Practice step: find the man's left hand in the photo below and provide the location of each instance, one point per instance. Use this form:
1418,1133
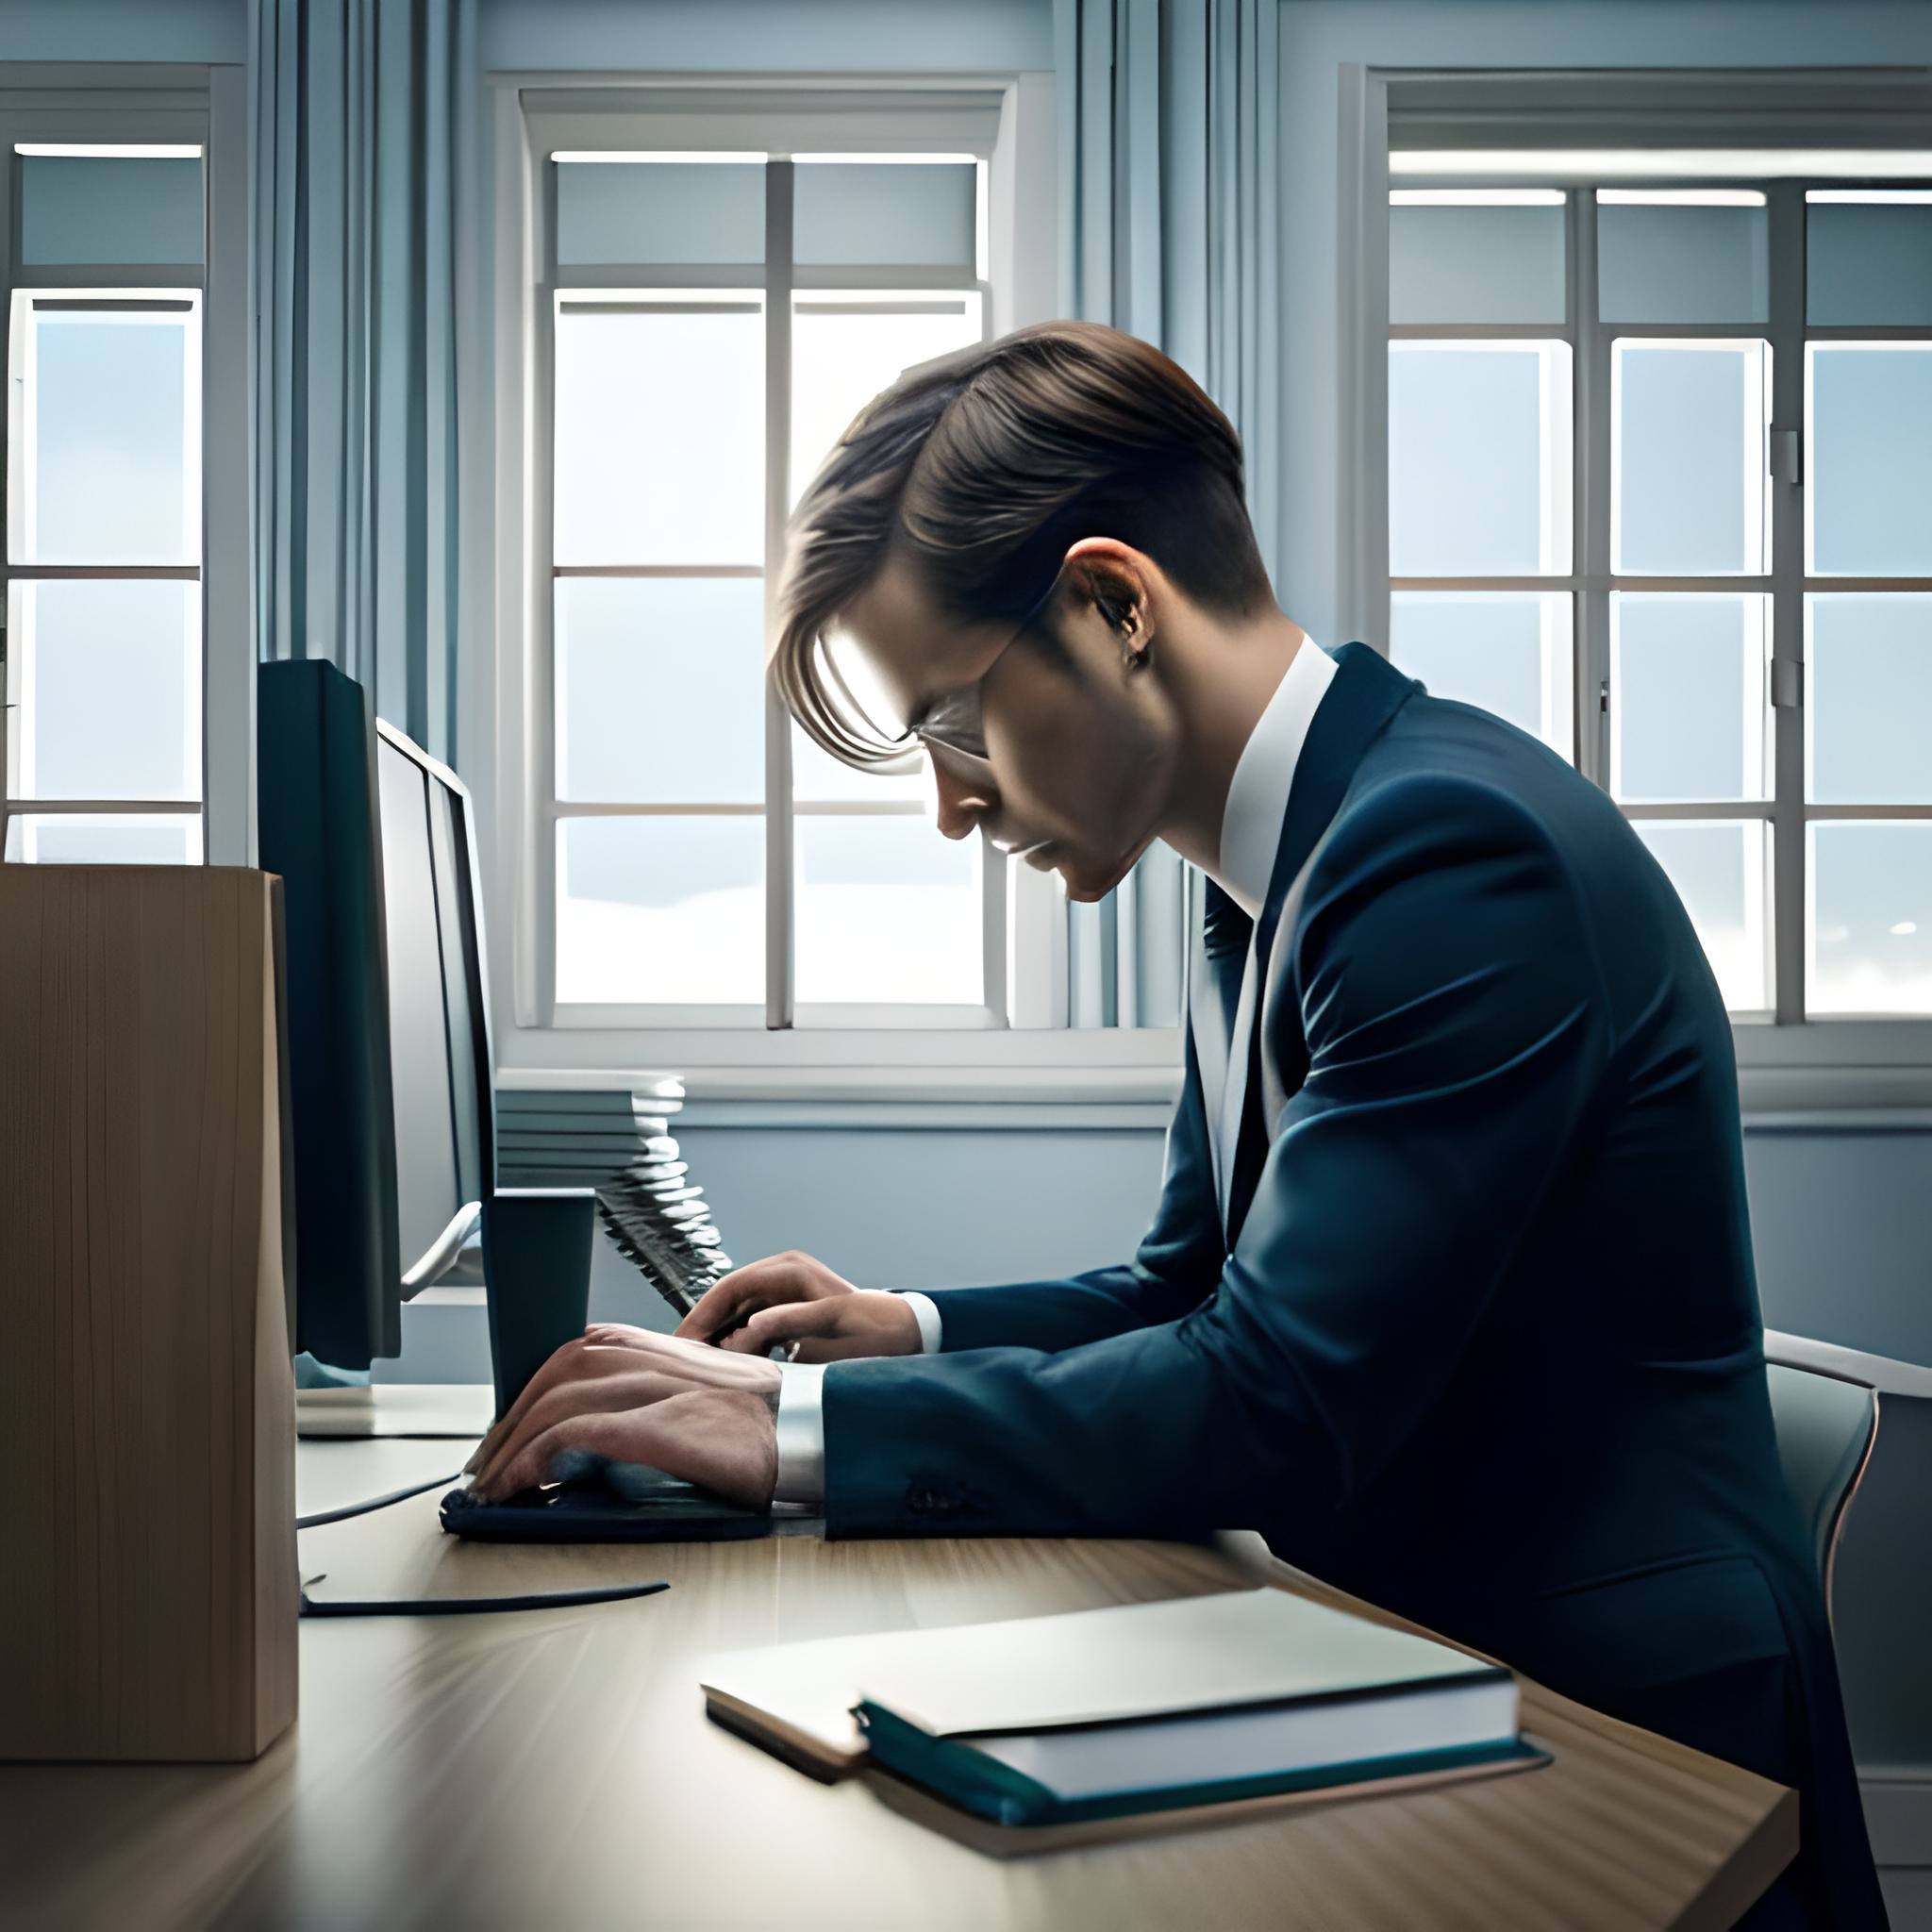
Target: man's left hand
698,1413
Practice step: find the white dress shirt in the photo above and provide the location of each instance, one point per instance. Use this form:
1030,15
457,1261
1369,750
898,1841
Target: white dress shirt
1250,831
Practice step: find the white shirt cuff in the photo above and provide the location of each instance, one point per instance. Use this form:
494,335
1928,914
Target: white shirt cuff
801,1419
925,1311
801,1433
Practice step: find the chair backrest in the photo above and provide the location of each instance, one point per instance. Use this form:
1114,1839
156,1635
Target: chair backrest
1824,1433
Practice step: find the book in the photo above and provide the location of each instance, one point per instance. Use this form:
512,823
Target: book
1145,1708
1111,1770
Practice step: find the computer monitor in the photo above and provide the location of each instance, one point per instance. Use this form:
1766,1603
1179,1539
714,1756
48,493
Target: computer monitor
391,1097
439,1008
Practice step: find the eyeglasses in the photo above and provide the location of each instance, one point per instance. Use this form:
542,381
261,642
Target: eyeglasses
953,722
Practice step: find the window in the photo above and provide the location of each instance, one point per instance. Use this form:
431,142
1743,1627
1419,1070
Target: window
713,321
106,269
1657,494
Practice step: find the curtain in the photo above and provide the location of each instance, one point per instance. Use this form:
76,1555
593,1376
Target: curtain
363,126
1167,121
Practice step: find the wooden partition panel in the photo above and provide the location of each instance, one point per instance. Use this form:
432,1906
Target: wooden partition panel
147,1555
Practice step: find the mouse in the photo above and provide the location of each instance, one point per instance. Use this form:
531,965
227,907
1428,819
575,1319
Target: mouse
584,1469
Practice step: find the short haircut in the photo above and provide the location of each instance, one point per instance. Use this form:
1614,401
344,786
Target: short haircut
986,467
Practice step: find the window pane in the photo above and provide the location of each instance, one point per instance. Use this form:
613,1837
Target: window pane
105,208
662,212
1868,699
1665,262
1688,718
883,213
1721,874
1478,459
1867,494
1449,264
888,910
819,777
1867,263
1870,919
1509,652
107,689
111,434
661,434
667,909
660,689
104,838
1687,457
846,349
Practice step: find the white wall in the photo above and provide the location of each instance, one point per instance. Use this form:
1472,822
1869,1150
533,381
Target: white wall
769,36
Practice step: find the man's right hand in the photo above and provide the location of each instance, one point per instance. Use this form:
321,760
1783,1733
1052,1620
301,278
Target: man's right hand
792,1298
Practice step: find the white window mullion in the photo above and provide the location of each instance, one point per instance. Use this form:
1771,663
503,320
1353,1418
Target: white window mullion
10,719
780,947
538,882
1785,213
1595,506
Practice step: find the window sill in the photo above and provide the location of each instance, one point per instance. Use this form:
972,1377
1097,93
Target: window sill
1125,1094
1827,1077
995,1062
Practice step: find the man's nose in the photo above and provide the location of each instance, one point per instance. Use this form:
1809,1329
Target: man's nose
962,801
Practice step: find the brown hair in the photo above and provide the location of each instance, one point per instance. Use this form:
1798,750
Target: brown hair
987,466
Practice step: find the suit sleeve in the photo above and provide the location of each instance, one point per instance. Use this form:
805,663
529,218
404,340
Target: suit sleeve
1456,1031
1175,1268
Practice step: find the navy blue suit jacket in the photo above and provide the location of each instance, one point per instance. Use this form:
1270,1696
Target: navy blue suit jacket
1480,1340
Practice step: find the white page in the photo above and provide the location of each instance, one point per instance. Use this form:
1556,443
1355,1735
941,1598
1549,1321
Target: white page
1126,1661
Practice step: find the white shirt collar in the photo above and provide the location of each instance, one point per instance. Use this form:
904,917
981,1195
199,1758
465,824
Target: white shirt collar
1257,792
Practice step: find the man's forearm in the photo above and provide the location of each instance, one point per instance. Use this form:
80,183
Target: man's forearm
1141,1434
1067,1313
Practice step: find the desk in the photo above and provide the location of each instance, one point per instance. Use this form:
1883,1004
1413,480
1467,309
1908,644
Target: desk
555,1768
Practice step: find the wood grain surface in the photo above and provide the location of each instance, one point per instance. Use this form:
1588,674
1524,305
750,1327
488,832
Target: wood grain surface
147,1602
555,1770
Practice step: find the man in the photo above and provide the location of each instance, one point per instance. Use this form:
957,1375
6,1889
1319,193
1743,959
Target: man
1449,1289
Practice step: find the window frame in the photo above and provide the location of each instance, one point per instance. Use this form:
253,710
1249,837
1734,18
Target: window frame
136,105
1787,1060
777,284
1025,1052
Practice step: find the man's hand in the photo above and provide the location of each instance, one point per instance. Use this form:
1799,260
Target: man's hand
792,1298
695,1413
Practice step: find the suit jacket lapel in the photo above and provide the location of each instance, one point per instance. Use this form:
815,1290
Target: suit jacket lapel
1366,693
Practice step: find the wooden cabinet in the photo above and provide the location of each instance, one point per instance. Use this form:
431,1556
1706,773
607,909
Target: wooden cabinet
148,1591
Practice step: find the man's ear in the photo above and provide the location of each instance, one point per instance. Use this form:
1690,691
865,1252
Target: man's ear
1120,596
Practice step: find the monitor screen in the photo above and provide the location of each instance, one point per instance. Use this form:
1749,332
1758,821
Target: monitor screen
432,1010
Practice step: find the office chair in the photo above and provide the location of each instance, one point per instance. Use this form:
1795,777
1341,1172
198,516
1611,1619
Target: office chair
1824,1406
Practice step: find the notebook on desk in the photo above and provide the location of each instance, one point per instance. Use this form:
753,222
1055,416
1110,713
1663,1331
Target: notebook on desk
1050,1730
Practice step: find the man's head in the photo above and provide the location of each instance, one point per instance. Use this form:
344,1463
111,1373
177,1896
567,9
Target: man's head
1018,550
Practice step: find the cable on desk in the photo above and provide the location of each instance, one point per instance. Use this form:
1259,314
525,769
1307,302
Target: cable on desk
383,1502
451,1606
303,1435
461,1606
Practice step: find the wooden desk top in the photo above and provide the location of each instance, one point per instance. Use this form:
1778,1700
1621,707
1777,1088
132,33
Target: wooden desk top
555,1768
